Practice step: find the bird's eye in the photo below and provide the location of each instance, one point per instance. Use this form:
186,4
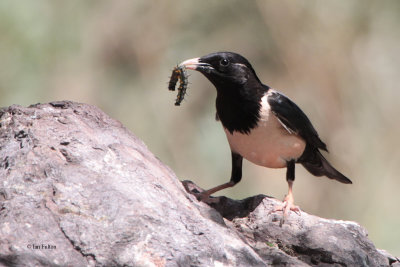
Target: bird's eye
224,62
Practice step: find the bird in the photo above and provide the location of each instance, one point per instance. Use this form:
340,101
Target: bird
261,124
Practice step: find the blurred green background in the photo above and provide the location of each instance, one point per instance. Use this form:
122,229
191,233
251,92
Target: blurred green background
338,60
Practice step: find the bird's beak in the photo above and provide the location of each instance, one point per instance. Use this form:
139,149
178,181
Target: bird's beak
195,64
191,63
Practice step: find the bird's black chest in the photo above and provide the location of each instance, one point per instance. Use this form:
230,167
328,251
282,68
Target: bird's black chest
238,113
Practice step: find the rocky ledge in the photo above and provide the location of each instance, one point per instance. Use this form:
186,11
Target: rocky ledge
78,189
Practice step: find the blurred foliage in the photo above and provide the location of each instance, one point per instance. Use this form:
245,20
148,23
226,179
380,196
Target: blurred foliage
339,60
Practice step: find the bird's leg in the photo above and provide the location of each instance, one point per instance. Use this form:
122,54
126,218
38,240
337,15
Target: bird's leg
236,176
205,195
288,202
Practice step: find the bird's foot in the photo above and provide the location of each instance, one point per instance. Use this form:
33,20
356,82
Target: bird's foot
206,198
199,193
287,205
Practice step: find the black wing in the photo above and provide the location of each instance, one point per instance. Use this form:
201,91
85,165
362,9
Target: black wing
294,119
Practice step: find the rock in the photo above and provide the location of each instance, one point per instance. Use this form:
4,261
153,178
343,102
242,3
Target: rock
310,239
78,189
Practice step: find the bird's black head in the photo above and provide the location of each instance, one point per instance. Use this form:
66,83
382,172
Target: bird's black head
226,70
239,91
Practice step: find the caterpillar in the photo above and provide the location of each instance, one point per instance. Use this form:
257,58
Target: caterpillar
178,73
174,78
182,86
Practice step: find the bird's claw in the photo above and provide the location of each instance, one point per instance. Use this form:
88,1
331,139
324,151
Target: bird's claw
206,198
286,206
199,193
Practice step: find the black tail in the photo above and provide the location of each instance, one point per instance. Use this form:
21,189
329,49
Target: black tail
316,164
